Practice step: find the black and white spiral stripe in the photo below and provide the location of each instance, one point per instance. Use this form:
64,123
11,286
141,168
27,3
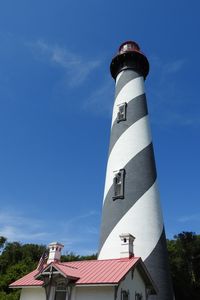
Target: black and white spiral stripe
139,213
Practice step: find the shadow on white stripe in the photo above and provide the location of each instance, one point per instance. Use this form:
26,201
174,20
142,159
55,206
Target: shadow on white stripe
132,141
132,89
118,76
144,221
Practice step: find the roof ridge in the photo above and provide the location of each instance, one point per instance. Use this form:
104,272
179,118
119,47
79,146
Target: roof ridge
65,265
120,259
106,259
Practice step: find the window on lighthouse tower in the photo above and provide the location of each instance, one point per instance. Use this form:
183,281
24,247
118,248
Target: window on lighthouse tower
118,184
121,115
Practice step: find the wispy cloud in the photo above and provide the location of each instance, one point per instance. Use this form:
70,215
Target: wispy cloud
189,218
81,229
77,68
15,226
167,67
13,232
74,220
171,100
76,233
101,99
174,66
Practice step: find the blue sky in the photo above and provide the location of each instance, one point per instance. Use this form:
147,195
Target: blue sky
56,96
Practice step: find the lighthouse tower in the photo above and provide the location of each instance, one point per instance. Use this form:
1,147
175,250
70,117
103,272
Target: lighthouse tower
131,201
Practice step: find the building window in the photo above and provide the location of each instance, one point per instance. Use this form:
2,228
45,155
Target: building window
124,295
121,115
138,296
60,295
118,183
61,291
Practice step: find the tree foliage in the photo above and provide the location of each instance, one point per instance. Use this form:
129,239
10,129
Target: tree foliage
184,257
71,256
2,241
16,260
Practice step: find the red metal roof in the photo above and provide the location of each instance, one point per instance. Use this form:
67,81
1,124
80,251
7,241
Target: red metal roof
104,271
110,271
27,280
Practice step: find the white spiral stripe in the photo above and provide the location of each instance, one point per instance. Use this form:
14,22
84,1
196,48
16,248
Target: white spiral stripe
118,76
146,210
132,89
132,141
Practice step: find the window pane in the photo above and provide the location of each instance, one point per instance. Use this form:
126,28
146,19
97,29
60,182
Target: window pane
60,295
121,115
125,295
118,184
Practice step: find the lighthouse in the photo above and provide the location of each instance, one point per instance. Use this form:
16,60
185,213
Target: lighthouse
131,201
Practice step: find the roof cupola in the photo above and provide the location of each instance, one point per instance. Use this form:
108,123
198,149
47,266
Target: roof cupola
126,245
55,249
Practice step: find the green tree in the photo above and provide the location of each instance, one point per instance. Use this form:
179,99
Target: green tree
2,242
71,256
184,257
12,296
16,260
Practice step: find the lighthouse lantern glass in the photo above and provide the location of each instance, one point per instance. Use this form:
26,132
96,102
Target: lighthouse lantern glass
129,46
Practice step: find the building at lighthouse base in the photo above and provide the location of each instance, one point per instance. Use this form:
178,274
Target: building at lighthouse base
120,279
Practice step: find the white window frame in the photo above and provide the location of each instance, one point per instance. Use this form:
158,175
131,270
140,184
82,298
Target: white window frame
121,115
118,184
